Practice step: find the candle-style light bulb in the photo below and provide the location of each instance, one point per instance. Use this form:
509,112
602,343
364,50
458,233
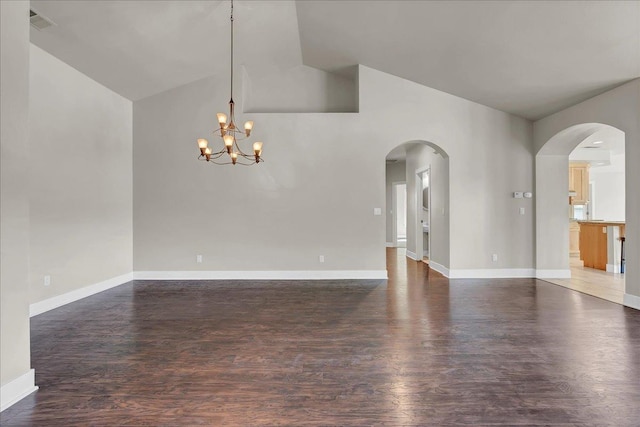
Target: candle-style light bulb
222,118
228,142
202,144
207,153
234,157
248,125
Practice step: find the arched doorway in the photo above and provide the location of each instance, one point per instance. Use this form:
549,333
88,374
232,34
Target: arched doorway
425,168
556,211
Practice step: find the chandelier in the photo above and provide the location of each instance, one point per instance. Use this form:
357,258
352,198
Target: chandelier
230,154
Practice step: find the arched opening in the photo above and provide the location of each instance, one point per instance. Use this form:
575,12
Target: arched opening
580,183
421,170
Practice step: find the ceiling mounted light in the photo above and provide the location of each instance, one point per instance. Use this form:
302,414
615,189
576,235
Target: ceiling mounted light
227,130
597,142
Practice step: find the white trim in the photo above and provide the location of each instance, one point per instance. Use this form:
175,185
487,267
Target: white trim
412,255
78,294
492,273
261,275
613,268
390,245
632,301
16,390
439,268
553,274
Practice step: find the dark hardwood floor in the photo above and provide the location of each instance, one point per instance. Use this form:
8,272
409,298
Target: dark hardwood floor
418,350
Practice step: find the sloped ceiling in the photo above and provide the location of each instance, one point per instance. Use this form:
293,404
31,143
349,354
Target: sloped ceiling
528,58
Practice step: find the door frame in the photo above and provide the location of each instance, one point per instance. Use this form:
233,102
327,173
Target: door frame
394,212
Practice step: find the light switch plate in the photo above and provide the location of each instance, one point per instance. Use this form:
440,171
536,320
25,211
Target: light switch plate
517,194
377,211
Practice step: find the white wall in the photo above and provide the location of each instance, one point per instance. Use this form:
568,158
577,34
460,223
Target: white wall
395,172
14,208
268,89
80,181
235,217
608,182
620,108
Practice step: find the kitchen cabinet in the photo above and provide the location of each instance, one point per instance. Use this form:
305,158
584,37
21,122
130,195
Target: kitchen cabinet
574,238
579,183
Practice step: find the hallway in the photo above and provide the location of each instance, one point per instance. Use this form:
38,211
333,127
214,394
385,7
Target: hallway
418,349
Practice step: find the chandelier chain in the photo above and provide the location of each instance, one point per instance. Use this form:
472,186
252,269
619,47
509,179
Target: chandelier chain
231,54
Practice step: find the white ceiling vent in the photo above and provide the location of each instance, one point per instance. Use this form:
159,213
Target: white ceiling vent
39,22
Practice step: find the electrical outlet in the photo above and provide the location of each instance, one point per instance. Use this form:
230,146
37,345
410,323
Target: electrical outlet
494,257
199,259
47,280
321,258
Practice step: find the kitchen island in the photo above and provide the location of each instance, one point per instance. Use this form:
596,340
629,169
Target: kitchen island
600,246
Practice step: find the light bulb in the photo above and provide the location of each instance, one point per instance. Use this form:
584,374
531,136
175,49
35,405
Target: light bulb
202,144
207,153
228,140
234,157
257,148
248,125
222,118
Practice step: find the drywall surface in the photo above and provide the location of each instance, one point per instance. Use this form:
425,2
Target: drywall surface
609,186
620,108
14,203
395,173
322,177
80,182
299,89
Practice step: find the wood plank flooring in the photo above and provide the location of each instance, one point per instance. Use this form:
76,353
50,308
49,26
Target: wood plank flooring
416,350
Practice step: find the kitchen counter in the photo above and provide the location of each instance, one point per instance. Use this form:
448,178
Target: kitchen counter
600,244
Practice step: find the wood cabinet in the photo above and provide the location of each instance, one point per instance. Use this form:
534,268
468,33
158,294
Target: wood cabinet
579,183
574,238
594,242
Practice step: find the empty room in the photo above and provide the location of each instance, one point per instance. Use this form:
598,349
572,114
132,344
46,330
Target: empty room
318,212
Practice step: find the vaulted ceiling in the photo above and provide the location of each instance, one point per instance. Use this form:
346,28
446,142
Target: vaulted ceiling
529,58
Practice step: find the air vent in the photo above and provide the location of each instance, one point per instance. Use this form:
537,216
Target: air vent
591,147
39,22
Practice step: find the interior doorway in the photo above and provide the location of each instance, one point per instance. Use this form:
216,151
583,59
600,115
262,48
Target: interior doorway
423,214
577,237
423,170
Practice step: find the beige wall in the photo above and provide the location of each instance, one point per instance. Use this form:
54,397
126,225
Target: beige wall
14,207
81,180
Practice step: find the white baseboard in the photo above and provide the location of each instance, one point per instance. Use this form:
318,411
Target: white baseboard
261,275
18,389
439,268
413,255
553,274
69,297
390,245
632,301
492,273
613,268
